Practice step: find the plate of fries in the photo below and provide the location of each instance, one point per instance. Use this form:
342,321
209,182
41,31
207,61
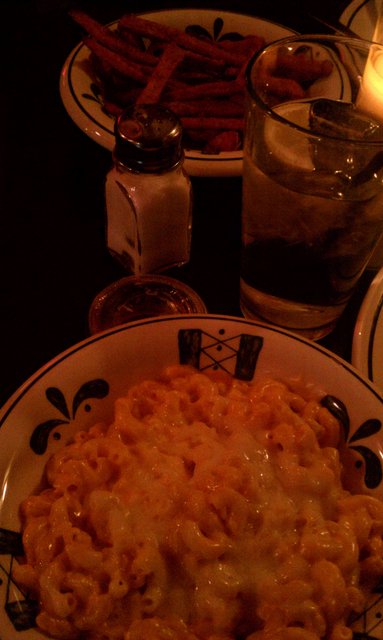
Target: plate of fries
191,60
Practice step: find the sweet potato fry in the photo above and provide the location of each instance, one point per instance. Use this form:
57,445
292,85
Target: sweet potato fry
168,62
300,67
218,108
111,39
213,123
131,38
197,61
284,88
206,90
223,141
112,109
248,45
192,77
122,98
117,61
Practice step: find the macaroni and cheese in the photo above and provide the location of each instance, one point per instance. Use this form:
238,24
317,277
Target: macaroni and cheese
210,509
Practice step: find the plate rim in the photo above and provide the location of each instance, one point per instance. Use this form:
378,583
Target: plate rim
365,329
354,6
21,391
350,12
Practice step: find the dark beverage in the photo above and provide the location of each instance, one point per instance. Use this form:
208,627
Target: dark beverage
302,254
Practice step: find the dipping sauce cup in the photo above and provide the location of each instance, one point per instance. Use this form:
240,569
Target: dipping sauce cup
136,297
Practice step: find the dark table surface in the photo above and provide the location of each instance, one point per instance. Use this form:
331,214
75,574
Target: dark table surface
52,242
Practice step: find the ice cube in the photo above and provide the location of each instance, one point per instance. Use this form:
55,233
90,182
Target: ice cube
356,169
328,161
287,145
342,120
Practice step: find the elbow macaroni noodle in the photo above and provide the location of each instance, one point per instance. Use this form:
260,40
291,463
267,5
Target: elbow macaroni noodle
210,509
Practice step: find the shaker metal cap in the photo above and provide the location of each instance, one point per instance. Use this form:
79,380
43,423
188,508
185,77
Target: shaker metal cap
148,138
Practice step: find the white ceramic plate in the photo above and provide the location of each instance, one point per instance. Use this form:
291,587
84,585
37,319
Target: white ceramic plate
367,344
83,106
79,387
360,16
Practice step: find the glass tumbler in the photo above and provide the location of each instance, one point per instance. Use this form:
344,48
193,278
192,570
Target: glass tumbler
312,204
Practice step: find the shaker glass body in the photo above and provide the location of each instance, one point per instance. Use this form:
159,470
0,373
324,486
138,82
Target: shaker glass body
149,218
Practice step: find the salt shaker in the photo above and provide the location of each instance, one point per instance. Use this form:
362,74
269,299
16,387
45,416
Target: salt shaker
148,193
